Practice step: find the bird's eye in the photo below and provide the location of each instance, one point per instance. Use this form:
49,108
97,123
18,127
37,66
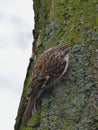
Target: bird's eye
42,79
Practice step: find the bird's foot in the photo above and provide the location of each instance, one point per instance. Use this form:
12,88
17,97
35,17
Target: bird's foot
65,78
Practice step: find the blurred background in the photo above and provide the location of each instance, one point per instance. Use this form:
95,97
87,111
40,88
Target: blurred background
16,24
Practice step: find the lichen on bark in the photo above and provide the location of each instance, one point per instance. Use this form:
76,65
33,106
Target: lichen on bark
72,104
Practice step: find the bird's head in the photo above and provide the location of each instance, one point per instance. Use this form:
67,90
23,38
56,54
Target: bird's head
62,49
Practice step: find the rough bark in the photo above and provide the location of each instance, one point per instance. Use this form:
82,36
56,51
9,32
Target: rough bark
73,104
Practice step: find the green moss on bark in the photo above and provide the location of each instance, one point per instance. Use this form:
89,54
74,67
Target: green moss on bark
71,104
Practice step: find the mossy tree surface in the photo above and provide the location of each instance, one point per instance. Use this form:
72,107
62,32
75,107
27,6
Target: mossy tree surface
73,104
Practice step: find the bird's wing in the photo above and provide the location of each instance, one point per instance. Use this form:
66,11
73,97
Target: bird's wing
37,84
57,68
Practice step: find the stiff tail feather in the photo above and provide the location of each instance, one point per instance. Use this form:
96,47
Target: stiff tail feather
30,109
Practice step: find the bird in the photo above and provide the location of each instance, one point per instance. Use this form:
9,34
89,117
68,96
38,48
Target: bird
49,67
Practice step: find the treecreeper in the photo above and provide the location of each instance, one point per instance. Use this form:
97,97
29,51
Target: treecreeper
50,66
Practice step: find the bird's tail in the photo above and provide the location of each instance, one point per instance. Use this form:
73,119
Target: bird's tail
30,109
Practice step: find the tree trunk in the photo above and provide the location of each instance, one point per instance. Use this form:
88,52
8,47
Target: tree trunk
73,104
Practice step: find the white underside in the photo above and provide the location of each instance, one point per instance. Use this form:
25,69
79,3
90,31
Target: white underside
66,58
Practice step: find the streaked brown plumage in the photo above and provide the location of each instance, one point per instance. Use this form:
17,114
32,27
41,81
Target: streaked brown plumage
50,66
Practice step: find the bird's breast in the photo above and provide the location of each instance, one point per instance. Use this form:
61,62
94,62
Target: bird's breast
66,59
